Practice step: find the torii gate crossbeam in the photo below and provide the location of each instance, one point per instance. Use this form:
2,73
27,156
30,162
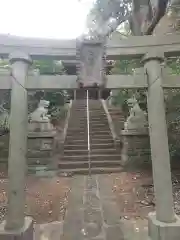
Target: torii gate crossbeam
66,49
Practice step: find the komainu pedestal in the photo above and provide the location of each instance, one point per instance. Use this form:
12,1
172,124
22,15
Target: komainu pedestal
135,148
135,138
41,141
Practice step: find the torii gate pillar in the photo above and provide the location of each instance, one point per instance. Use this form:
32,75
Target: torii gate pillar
17,226
163,224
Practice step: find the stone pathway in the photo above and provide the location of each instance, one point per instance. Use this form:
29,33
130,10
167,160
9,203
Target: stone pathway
93,213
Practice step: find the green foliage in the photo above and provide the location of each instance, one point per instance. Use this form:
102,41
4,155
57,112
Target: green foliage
56,98
125,66
174,65
121,98
49,66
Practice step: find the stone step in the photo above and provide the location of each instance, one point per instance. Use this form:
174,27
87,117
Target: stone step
76,136
85,146
42,171
93,131
85,164
98,136
97,140
93,134
77,131
91,118
92,141
98,121
78,124
84,126
99,124
39,153
95,170
75,127
85,151
96,113
95,157
100,132
39,161
84,118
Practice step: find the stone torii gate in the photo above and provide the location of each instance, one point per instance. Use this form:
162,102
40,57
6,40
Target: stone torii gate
163,224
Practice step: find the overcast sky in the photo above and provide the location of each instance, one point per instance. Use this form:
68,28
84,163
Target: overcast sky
44,18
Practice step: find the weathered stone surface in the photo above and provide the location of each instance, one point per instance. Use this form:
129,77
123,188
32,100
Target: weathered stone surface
158,138
91,199
73,222
50,231
73,225
163,231
137,119
93,222
111,213
135,148
40,151
91,63
83,221
39,119
26,233
114,232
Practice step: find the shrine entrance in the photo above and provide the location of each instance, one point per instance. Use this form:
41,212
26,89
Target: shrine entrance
163,224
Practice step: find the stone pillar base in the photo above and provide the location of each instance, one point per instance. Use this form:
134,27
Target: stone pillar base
26,233
163,231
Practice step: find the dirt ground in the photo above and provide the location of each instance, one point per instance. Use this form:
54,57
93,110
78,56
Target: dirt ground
134,193
46,198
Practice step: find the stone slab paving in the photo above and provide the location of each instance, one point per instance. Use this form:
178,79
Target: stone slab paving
92,213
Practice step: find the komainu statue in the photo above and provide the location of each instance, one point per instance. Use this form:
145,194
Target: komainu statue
39,120
137,118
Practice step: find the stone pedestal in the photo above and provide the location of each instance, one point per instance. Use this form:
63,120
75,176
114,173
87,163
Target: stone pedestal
25,233
163,231
135,148
41,152
37,126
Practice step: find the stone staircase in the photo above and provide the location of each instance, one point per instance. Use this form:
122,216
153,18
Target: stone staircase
104,157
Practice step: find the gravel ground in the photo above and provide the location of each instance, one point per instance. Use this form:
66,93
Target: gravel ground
46,198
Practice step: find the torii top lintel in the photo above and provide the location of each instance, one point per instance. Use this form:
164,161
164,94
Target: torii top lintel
66,49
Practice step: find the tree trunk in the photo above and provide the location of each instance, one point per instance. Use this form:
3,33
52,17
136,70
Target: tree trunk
170,23
141,16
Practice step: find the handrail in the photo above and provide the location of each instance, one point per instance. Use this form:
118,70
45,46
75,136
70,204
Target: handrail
88,132
110,121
